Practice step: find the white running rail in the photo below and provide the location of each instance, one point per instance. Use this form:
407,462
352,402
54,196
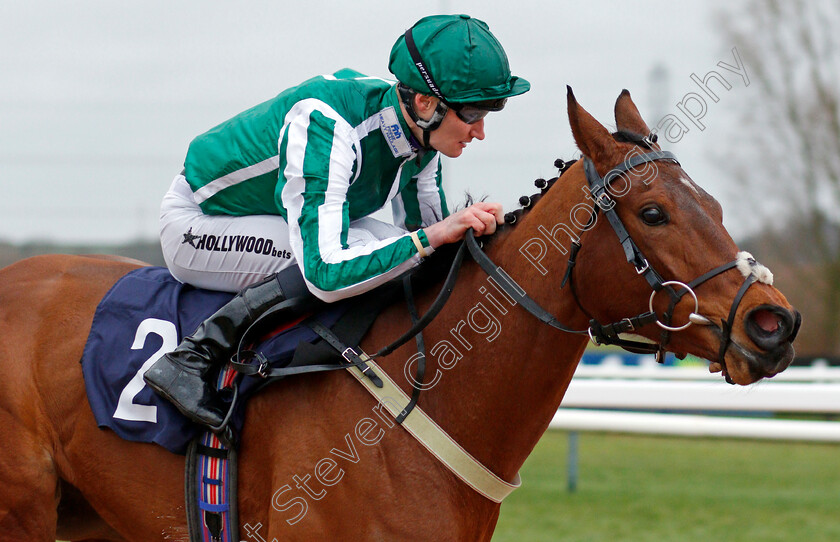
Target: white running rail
690,402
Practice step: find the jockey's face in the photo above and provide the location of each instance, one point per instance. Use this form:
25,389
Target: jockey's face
452,136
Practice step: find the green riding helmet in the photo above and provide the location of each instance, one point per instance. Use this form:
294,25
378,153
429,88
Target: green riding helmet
459,54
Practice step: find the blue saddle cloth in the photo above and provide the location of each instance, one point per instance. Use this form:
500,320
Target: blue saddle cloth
143,316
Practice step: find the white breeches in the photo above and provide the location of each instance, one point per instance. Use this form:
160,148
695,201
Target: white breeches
228,253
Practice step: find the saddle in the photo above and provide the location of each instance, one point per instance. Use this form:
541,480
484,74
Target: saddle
147,312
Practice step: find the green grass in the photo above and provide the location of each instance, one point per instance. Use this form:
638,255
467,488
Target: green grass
639,488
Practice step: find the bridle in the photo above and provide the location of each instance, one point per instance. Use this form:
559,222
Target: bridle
606,204
601,334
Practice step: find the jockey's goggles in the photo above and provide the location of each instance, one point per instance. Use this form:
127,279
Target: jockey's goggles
475,111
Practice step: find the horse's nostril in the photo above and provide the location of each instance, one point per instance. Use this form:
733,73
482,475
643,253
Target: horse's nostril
767,321
769,326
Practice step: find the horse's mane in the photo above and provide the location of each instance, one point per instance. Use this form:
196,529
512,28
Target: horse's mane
527,202
444,255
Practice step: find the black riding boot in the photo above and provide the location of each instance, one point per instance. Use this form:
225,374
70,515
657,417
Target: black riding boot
185,376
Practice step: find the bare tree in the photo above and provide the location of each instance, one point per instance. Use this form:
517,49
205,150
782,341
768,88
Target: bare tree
788,149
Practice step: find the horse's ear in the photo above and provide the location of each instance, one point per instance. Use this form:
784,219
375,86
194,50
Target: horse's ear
591,137
627,116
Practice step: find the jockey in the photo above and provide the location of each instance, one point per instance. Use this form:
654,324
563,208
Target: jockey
274,202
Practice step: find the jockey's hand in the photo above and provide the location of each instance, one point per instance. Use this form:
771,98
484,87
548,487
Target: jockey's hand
481,217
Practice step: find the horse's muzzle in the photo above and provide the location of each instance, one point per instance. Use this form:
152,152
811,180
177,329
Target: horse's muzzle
772,328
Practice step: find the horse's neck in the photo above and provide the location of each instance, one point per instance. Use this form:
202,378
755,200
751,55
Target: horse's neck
508,370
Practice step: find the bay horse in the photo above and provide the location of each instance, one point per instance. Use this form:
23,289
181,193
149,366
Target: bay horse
494,379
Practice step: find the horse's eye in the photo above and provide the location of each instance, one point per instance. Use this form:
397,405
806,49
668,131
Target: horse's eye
653,216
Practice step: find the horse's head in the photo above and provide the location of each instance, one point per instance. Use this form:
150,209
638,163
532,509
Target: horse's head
739,321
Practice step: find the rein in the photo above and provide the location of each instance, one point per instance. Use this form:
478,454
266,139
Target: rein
460,462
599,334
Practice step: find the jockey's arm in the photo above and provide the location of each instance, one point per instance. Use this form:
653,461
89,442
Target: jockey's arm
315,198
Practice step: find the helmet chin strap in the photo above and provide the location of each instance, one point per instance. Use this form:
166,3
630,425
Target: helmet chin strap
428,126
427,134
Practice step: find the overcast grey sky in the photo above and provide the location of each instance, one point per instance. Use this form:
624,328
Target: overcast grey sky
100,99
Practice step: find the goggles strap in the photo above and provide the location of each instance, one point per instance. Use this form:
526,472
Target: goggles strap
443,105
421,67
